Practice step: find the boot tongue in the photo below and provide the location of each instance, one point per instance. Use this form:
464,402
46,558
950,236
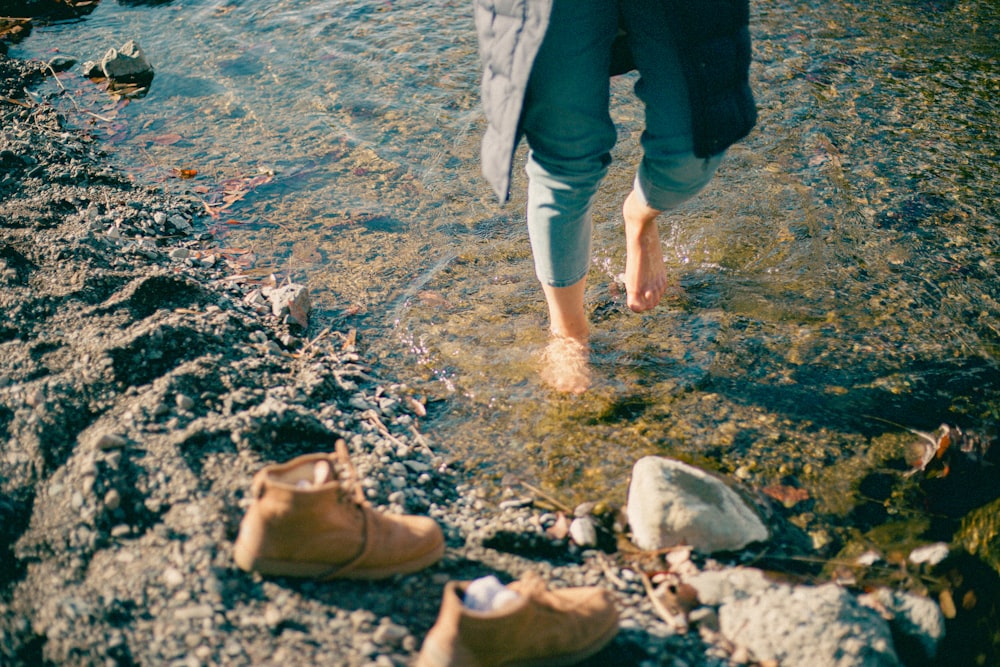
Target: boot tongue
346,473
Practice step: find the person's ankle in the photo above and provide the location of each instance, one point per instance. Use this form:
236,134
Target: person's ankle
637,213
581,336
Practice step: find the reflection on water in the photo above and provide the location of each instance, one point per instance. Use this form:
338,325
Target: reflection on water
842,265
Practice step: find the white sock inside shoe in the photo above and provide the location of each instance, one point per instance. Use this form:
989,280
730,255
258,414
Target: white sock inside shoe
488,594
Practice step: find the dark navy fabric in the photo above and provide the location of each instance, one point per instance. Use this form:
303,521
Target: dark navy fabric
713,38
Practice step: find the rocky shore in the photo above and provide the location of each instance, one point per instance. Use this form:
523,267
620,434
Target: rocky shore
144,380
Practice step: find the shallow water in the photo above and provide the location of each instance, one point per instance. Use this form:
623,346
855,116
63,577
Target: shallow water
842,266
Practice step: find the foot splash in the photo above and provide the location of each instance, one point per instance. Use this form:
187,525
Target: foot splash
566,365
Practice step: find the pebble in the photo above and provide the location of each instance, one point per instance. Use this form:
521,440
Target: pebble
931,554
35,397
389,633
272,616
583,532
516,503
184,402
192,612
107,441
172,577
112,500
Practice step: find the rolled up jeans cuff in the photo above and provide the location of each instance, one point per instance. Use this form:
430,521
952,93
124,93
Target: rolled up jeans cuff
663,189
560,221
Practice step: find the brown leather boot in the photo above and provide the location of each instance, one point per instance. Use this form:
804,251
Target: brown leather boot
559,627
309,518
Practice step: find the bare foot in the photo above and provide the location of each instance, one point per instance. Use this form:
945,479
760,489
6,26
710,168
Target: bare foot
645,274
566,365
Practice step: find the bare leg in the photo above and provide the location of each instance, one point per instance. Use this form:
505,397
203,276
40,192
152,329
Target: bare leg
645,275
565,364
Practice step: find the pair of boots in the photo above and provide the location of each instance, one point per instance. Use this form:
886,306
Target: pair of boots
309,518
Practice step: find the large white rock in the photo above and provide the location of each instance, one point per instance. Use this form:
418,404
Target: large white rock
672,503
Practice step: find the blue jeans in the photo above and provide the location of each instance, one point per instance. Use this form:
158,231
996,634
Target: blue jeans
570,133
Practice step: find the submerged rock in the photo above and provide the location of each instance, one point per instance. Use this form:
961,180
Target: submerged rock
127,63
126,68
672,503
917,618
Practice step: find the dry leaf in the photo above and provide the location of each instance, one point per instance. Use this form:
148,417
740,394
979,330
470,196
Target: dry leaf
947,604
166,139
930,448
786,495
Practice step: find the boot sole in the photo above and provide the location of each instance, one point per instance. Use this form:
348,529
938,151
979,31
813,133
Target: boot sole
324,571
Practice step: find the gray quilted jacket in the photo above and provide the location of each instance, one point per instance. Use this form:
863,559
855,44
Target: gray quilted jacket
714,42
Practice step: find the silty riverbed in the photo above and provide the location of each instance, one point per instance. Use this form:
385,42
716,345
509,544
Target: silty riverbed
837,282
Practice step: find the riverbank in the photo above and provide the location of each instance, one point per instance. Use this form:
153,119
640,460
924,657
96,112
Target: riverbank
143,384
145,378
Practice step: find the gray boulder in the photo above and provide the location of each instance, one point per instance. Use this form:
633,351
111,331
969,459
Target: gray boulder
912,616
127,63
808,626
672,503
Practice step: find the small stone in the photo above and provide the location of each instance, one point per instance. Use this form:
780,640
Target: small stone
107,441
184,402
193,612
172,577
35,398
583,532
180,253
932,554
389,633
112,500
515,503
180,223
272,616
289,300
868,558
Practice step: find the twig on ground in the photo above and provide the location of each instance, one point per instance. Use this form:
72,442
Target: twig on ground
552,499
